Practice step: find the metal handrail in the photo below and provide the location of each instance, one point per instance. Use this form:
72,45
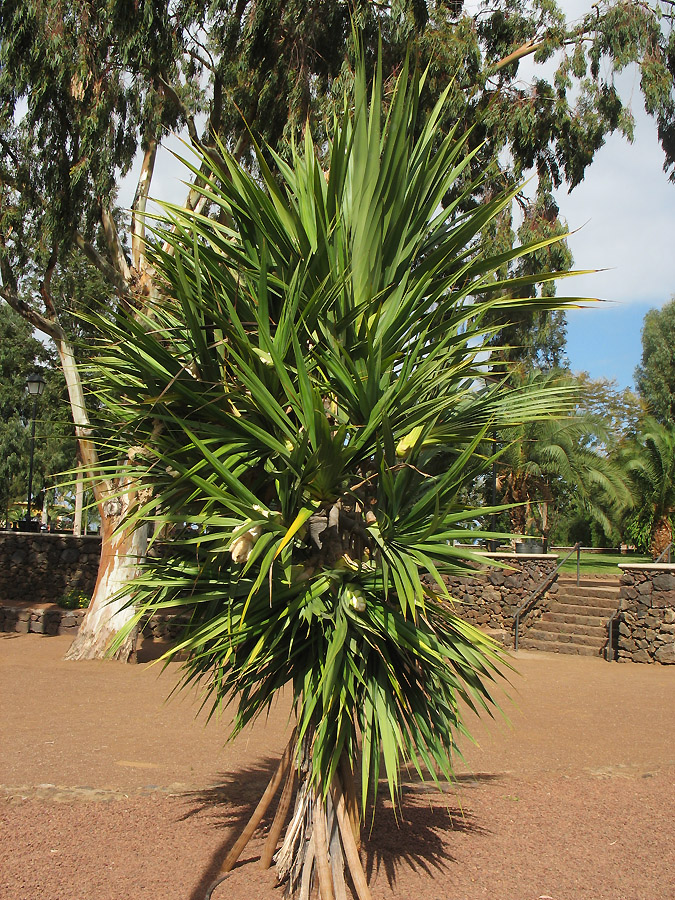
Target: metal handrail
542,587
609,653
667,550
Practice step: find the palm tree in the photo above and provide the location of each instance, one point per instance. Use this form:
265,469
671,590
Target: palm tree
649,461
541,457
314,354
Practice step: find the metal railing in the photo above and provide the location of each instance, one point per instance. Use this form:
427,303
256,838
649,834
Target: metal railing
541,587
610,652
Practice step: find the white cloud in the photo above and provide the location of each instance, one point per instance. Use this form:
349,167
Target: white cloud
625,212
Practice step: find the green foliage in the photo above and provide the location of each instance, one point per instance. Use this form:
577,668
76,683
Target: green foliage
655,376
305,397
649,461
74,599
555,464
20,355
83,88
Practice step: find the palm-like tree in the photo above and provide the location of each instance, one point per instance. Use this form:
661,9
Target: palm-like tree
539,457
313,358
649,461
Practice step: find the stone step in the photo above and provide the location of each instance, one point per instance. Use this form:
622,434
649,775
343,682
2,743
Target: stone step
595,630
590,580
596,605
578,649
599,592
581,619
558,637
575,609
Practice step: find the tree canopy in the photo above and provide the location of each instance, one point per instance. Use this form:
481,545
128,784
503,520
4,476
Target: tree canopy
85,88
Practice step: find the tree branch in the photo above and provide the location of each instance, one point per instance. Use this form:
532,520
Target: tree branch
113,243
45,287
46,326
95,258
139,206
189,119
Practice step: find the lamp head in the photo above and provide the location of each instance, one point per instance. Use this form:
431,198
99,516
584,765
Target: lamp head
35,384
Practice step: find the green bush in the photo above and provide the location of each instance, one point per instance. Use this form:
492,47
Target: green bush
74,599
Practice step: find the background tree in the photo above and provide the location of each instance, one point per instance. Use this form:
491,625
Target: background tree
20,355
86,89
546,463
315,350
655,376
649,461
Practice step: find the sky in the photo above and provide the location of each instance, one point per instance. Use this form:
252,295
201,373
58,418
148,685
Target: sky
622,219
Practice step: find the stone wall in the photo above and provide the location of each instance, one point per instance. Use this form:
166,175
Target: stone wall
41,568
646,620
491,597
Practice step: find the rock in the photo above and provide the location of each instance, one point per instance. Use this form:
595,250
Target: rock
664,581
666,655
641,656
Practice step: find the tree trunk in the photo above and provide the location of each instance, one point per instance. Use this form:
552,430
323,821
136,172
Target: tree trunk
122,550
79,496
662,535
322,838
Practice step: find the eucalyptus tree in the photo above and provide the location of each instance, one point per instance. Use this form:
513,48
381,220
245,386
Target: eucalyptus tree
304,395
86,89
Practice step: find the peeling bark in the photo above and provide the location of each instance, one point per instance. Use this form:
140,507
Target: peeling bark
121,552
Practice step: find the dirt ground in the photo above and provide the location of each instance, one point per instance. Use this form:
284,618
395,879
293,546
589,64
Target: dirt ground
109,790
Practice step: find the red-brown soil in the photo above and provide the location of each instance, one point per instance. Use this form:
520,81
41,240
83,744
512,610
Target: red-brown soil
109,790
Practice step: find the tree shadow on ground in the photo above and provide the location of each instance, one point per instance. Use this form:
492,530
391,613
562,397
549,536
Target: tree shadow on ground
229,805
415,834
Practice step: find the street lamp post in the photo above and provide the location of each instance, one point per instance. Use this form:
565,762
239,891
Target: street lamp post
36,385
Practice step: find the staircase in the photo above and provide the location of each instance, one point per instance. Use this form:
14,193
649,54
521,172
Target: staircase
576,621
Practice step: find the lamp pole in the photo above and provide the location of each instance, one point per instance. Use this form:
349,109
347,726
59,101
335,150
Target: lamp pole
35,384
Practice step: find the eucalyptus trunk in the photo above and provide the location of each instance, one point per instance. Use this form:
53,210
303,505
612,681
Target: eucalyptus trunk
122,550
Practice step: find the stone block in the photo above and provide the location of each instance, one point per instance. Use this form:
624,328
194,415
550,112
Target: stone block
669,616
663,599
664,581
644,588
629,592
641,656
666,654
